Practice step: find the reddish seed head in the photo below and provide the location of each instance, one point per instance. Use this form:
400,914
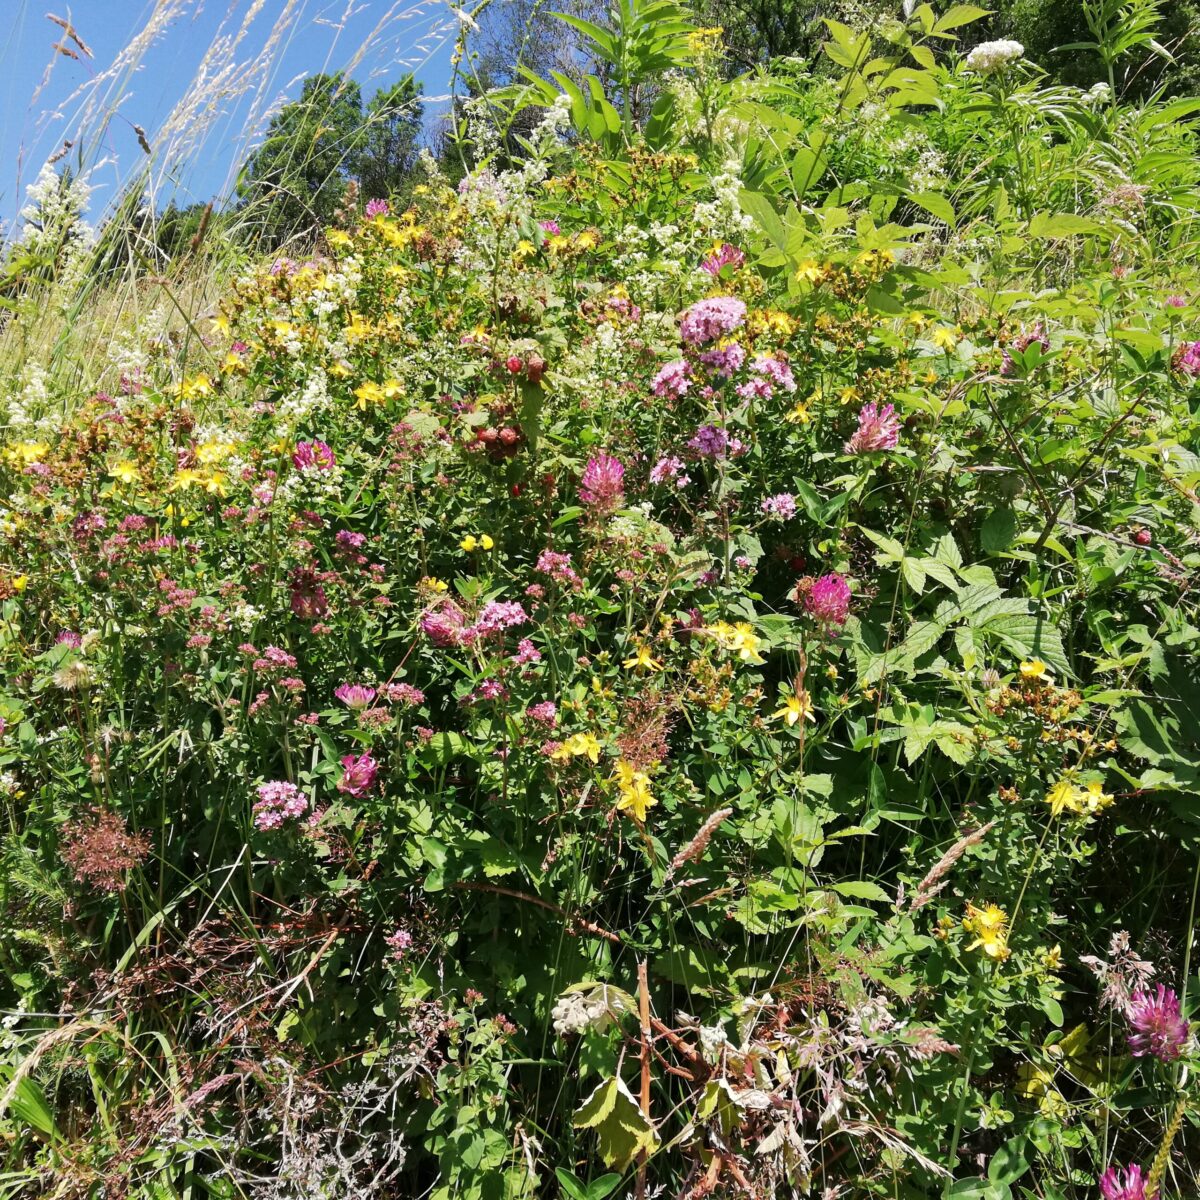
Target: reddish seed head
1142,537
514,364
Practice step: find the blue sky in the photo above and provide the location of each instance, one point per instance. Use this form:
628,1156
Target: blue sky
323,34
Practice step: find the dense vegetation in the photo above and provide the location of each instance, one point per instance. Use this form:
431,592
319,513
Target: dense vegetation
666,666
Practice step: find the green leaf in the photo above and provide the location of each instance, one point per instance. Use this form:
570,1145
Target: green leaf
1044,226
958,15
622,1130
861,889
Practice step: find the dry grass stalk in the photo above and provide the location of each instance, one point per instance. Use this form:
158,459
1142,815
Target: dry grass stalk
696,847
936,879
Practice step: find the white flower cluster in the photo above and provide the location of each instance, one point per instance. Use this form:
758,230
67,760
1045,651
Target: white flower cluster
989,57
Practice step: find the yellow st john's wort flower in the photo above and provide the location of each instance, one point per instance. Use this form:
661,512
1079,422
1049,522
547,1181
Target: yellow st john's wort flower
195,387
378,393
472,543
634,785
433,584
642,660
739,639
944,339
124,472
796,708
810,272
339,239
20,583
25,453
989,924
798,414
578,745
1034,669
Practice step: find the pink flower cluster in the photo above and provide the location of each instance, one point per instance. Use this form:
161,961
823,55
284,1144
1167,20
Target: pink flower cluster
781,507
277,802
358,775
726,256
708,320
558,567
445,624
1129,1184
1187,358
828,600
878,429
1159,1027
602,486
725,360
670,470
377,208
671,380
355,696
313,456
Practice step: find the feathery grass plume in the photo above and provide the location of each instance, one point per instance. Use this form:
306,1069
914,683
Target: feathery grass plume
936,879
1158,1168
696,847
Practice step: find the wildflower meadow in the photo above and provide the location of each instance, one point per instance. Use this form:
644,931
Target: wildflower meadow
656,657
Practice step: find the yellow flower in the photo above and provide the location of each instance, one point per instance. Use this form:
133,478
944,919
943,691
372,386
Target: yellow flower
578,745
634,786
642,660
214,452
1052,958
917,320
433,584
358,329
1094,798
796,708
368,393
26,453
124,472
1034,668
1063,797
989,924
472,543
849,395
739,639
20,583
339,239
944,339
341,369
524,250
810,272
798,414
196,388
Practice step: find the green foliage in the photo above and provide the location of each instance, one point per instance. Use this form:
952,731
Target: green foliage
664,666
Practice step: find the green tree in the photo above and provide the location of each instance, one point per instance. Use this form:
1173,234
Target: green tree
294,181
387,151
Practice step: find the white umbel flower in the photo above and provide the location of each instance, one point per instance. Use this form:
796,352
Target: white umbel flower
989,57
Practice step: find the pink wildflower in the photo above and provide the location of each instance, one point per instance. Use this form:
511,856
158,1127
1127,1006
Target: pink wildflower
545,712
668,470
671,380
358,775
277,801
878,429
1129,1184
1160,1029
355,696
404,693
602,485
445,625
828,600
724,360
398,942
499,615
781,507
314,455
1187,358
377,208
708,320
726,256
